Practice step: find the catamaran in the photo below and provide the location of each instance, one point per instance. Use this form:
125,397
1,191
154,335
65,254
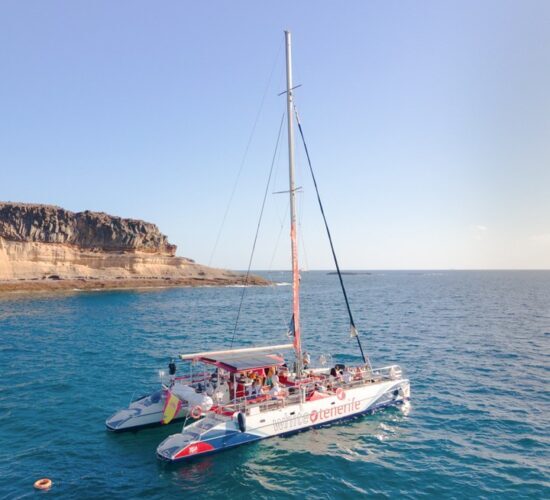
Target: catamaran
299,397
203,385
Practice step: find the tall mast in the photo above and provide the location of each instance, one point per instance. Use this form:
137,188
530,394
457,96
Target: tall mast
293,230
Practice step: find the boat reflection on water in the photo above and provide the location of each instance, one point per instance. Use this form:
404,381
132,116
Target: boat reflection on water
357,439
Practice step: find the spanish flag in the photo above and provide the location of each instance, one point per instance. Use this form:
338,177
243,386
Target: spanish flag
172,406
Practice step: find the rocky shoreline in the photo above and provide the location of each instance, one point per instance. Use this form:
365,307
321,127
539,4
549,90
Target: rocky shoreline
124,284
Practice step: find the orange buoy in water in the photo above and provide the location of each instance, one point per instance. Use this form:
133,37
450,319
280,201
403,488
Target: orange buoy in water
43,484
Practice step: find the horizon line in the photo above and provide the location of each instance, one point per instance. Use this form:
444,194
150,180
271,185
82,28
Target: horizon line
399,269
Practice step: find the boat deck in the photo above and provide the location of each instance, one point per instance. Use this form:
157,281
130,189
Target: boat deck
318,385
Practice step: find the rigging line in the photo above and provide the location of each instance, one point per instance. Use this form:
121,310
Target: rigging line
258,228
301,238
245,155
301,232
282,224
283,316
303,242
354,331
277,168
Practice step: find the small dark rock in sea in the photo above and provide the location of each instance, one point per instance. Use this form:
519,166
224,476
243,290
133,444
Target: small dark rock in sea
348,273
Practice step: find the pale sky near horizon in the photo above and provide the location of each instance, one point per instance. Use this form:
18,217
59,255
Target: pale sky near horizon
428,123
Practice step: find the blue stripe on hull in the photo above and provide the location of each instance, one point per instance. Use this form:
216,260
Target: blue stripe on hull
229,440
369,410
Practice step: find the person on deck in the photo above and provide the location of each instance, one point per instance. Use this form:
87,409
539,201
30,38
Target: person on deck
257,388
268,374
223,393
347,376
275,391
334,375
252,389
272,377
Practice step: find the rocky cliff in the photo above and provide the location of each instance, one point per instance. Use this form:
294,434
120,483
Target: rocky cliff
43,246
86,230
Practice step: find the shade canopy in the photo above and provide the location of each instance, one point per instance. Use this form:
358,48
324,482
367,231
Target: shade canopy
243,362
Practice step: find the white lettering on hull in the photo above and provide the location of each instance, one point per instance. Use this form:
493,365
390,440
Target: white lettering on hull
335,411
306,419
295,421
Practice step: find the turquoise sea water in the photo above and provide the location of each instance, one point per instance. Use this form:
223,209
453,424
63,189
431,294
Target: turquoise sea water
474,344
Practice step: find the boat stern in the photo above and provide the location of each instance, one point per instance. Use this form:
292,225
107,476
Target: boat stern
406,389
396,394
180,446
122,420
213,433
145,411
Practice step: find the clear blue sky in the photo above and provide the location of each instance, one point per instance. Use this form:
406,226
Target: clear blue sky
428,123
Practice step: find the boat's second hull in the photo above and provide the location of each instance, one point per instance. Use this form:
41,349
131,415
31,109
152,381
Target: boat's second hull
217,433
145,412
146,422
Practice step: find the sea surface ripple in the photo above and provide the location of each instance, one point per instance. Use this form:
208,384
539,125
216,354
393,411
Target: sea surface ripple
475,346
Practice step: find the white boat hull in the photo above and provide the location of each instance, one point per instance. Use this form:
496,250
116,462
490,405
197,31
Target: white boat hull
148,411
218,432
142,413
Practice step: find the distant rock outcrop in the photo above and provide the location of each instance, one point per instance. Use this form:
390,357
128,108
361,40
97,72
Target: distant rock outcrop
86,230
45,247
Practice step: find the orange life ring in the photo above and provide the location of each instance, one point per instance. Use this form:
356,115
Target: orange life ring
196,412
340,393
43,484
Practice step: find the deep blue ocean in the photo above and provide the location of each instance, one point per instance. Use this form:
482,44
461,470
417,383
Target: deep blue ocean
475,345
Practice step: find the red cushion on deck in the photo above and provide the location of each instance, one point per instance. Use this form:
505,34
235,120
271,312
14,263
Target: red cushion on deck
317,395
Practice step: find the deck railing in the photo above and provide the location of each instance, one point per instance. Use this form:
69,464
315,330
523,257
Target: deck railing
293,394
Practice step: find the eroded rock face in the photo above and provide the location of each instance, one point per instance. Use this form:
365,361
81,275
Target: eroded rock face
43,247
24,222
30,260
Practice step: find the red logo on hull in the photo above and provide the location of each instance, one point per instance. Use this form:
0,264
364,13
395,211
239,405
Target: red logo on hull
194,449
